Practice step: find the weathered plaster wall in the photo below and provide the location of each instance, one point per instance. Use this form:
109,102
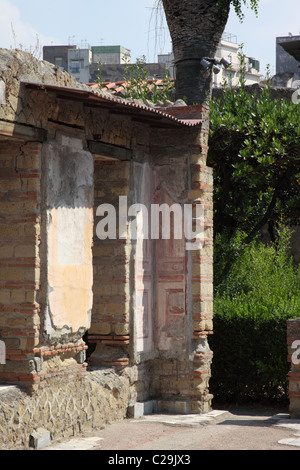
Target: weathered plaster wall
143,262
67,220
42,335
182,371
41,325
162,316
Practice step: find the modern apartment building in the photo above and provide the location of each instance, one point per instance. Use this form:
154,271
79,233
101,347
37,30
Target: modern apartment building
110,54
229,50
82,62
287,61
58,55
288,54
168,61
79,61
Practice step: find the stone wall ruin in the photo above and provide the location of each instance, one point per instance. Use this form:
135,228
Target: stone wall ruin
94,327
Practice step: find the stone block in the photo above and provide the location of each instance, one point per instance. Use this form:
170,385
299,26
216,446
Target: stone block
170,406
40,439
141,409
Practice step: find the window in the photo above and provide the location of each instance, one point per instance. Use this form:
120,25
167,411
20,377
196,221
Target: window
58,61
75,66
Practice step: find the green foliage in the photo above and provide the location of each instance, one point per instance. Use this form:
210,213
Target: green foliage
252,304
254,148
237,4
139,85
137,77
99,79
138,82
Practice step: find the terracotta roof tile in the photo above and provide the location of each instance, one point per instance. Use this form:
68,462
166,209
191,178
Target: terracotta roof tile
161,115
119,88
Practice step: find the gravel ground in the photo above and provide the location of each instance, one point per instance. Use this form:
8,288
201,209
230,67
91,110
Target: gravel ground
251,428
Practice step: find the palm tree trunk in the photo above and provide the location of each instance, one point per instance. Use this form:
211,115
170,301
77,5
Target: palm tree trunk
196,27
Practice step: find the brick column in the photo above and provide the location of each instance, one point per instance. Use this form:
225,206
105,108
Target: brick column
183,370
19,258
293,342
201,290
200,276
110,331
202,269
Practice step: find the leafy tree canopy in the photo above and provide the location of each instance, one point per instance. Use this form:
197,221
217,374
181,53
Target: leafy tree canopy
238,4
254,148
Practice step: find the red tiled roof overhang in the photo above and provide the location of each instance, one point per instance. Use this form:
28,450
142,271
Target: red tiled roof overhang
190,116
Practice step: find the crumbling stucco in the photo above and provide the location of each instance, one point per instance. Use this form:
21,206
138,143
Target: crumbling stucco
67,214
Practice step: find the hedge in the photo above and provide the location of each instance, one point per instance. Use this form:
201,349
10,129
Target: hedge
253,302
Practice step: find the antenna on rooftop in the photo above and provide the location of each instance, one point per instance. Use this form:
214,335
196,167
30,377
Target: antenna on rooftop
84,44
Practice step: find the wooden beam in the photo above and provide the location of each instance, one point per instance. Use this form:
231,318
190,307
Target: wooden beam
22,132
108,150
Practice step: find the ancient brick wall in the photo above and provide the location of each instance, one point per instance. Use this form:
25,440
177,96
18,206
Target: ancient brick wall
144,306
149,295
183,371
110,328
27,311
20,260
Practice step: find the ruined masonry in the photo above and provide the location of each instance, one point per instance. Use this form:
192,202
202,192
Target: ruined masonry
94,327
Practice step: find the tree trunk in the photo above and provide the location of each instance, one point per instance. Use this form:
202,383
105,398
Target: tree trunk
196,27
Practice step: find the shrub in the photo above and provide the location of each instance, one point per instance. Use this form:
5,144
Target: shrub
253,301
254,149
139,85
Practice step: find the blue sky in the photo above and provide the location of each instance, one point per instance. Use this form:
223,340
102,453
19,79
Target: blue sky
134,24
